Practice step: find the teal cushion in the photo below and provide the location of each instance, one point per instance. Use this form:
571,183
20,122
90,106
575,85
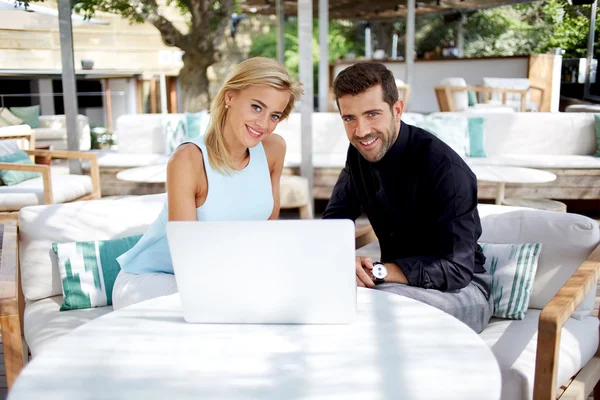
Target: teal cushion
88,270
513,268
196,124
476,138
29,115
472,98
451,129
597,120
10,178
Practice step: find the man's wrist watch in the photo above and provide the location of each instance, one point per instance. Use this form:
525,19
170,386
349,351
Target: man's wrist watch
379,272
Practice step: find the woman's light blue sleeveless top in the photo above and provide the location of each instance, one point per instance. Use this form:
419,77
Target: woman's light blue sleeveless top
243,195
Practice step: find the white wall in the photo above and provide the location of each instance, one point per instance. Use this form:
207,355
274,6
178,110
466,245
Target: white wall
428,74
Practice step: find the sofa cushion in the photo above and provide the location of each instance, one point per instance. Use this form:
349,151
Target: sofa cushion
13,177
141,133
9,117
111,159
543,133
31,192
40,226
44,322
50,134
567,241
30,115
514,345
512,267
88,270
541,161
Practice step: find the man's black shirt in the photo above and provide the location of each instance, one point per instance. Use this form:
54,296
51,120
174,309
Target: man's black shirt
421,199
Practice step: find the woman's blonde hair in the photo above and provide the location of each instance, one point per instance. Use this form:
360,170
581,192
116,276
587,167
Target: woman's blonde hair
254,71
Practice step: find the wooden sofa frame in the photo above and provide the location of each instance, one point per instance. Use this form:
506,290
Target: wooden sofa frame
445,98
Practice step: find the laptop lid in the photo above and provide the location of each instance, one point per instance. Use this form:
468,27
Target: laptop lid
284,271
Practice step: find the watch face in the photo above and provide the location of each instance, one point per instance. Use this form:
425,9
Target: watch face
379,271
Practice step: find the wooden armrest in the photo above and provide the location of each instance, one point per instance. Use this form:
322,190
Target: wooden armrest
552,319
63,154
24,167
93,157
8,270
364,236
44,169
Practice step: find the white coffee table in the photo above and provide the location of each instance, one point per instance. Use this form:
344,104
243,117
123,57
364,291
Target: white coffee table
502,174
397,348
294,190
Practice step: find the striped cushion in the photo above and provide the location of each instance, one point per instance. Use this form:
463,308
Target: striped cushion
513,268
88,270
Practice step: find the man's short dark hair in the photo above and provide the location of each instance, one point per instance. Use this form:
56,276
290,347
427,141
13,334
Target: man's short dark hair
362,76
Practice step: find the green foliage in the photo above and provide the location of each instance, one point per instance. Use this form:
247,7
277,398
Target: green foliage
341,42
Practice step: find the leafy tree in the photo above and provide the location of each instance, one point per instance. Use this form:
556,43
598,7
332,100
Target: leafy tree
206,19
341,42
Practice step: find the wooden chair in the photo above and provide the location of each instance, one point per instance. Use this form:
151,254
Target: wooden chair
445,96
551,321
45,170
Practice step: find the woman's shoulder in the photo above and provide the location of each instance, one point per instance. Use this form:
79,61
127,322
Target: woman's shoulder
185,155
274,146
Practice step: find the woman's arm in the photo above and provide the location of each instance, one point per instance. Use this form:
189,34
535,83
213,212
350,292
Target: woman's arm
275,150
183,171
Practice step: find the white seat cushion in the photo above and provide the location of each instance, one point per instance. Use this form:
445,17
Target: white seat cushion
514,345
50,134
543,161
65,188
44,322
129,160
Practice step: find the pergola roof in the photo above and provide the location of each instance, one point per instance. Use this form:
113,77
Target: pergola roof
377,9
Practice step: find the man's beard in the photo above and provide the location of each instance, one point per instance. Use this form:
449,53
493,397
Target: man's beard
387,141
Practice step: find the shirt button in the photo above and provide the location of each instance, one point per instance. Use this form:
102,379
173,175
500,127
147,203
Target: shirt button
392,234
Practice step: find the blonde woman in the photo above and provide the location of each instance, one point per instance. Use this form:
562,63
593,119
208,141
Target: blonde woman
230,173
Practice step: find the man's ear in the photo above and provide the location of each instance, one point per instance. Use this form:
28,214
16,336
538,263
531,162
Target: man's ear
398,109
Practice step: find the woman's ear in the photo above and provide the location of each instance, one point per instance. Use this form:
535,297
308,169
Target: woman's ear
229,95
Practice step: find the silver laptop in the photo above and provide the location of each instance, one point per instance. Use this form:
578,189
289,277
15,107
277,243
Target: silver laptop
281,272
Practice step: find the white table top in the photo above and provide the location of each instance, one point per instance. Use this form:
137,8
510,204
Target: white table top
397,348
507,174
150,174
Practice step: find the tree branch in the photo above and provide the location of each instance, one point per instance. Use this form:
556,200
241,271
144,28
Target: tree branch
224,14
148,10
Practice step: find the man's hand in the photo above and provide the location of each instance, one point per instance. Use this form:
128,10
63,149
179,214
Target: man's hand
363,276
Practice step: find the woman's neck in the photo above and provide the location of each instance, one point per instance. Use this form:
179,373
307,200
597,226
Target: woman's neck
237,150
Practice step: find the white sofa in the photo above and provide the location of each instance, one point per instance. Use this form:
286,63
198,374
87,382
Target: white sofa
53,132
567,239
562,143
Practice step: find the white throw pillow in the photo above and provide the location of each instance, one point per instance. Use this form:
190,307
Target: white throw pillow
9,117
513,268
175,132
451,129
8,147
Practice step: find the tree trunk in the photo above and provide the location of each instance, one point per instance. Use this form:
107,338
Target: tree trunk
194,80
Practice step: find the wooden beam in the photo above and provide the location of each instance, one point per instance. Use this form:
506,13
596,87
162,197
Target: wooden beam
108,104
153,103
139,95
172,91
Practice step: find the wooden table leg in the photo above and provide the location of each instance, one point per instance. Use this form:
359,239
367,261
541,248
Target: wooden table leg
500,192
